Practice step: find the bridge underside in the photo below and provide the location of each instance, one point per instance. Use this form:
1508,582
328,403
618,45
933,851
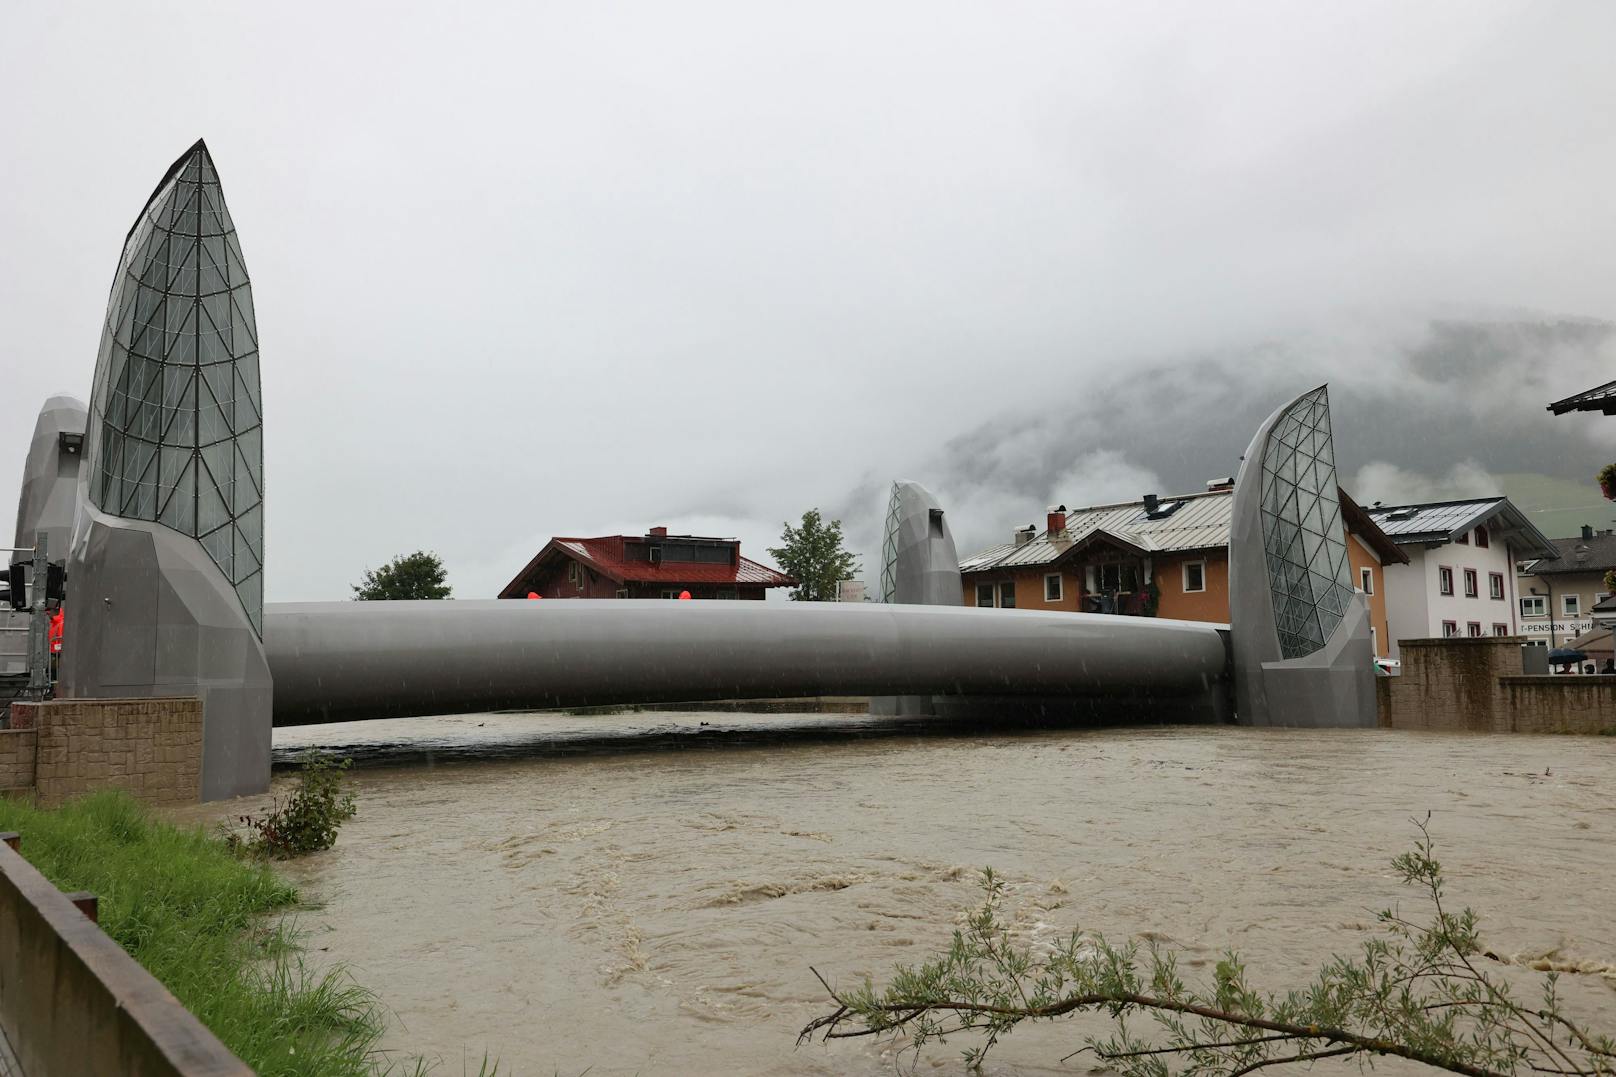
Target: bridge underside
339,661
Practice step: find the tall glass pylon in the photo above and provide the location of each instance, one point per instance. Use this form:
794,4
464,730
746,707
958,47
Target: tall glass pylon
175,431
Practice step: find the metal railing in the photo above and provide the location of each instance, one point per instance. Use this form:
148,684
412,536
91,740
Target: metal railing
38,629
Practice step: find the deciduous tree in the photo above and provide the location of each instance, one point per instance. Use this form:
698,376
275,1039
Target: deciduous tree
1429,993
812,554
416,575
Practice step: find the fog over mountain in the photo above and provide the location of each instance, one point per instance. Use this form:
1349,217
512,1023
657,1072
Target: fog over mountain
1424,409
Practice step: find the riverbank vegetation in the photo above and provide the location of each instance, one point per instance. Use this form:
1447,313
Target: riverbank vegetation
204,922
307,820
1429,993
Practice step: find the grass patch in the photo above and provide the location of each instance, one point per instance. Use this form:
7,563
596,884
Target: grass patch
199,919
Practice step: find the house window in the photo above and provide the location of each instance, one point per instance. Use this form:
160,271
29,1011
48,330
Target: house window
1481,536
1117,577
984,595
1194,576
668,592
1475,629
1495,585
1449,629
1500,630
1366,581
622,592
1374,641
1052,587
575,574
1571,605
1007,596
1462,539
1472,587
1444,580
1533,607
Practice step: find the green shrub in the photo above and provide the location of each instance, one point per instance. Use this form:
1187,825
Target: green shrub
308,820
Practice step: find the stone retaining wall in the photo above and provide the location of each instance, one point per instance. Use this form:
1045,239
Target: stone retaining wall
150,747
1560,704
1479,685
17,748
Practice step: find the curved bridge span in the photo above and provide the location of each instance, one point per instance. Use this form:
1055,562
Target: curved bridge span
334,661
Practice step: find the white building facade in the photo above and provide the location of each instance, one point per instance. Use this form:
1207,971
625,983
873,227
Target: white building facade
1460,579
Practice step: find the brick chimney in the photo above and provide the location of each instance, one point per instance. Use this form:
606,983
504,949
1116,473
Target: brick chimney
1587,531
1057,520
658,532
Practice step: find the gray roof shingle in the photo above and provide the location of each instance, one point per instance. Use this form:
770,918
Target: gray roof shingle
1596,554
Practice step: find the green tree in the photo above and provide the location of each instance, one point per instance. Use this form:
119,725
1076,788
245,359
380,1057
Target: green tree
416,575
812,553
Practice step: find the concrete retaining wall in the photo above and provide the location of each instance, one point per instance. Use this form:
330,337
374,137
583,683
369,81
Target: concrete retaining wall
1560,704
150,747
72,1002
1479,685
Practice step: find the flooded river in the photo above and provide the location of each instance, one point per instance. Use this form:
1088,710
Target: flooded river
506,889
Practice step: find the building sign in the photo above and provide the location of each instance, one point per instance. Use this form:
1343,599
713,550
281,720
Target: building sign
1562,630
850,591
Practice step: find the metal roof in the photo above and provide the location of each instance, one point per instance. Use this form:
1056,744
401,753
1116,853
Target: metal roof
1596,553
1443,521
1198,522
1599,398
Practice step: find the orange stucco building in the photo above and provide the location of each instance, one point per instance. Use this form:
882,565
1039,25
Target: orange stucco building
1162,557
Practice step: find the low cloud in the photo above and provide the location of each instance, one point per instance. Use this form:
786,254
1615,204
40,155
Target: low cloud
1390,484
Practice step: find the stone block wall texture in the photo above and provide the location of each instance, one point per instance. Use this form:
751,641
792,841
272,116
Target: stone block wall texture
16,759
1478,685
150,747
1562,704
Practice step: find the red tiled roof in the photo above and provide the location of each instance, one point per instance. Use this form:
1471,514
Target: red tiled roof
607,556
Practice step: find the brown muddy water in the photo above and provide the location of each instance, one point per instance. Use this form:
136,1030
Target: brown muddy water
655,908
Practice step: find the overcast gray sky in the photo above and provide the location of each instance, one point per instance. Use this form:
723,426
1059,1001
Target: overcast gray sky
532,269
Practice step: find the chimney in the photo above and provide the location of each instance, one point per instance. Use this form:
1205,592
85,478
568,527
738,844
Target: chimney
1587,531
1025,535
658,532
1057,520
1152,503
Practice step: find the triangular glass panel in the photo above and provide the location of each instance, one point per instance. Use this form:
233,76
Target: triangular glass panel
251,524
217,543
247,492
212,268
219,462
220,379
211,508
244,319
246,401
179,511
251,593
